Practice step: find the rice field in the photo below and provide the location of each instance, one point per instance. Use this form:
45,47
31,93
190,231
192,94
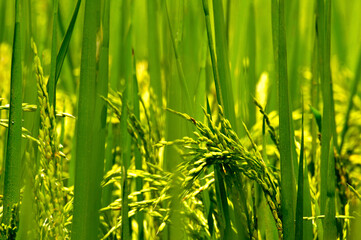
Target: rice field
180,119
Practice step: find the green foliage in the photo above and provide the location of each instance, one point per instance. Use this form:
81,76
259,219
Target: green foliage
104,132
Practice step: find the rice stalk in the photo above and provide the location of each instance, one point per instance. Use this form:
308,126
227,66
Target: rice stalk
285,139
325,84
154,50
12,178
223,61
54,49
212,52
100,121
86,201
65,43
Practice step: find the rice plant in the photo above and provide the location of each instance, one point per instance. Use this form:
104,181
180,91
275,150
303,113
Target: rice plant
180,119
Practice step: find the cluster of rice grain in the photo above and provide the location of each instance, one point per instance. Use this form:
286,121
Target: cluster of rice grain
48,185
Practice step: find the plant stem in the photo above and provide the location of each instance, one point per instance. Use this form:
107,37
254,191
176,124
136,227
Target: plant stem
287,174
12,181
86,188
54,49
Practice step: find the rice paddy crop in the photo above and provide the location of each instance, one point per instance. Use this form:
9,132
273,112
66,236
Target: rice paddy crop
180,119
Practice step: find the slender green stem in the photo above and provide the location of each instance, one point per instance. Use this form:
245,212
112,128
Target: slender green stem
223,62
179,64
103,91
228,18
65,43
324,66
154,50
100,120
54,49
126,141
252,79
127,74
287,175
138,158
212,52
328,73
12,181
86,197
314,91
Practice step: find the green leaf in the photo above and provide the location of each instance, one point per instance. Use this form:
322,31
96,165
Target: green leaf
328,118
287,175
153,50
12,179
86,187
222,62
65,43
52,81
